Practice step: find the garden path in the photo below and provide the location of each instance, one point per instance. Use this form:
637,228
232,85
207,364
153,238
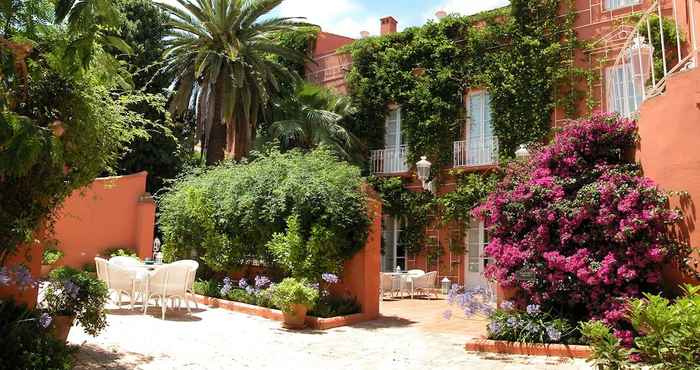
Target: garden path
218,339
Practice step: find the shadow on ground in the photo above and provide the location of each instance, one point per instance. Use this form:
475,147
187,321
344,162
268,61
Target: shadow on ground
91,356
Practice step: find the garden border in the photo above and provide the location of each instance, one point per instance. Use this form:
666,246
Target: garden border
530,349
312,322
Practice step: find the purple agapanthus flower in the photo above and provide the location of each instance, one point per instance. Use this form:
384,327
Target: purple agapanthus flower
228,284
261,282
533,309
249,289
494,327
71,289
447,314
23,277
242,283
330,278
512,322
553,333
507,305
45,320
4,276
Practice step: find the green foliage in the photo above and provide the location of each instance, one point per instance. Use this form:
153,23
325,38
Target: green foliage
669,42
262,298
292,291
333,306
51,256
669,334
228,214
119,252
471,189
25,344
207,288
416,209
491,51
524,327
75,293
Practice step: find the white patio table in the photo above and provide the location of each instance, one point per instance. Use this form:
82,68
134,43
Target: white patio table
399,280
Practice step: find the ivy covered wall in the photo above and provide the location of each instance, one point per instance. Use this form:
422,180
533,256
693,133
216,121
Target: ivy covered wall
522,54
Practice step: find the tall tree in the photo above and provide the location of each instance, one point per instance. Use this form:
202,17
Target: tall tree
222,54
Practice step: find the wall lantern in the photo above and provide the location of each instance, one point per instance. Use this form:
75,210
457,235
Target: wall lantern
522,152
639,55
423,171
445,285
156,246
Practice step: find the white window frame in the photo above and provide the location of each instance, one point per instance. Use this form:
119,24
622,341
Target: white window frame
619,4
397,140
624,96
482,139
394,225
481,260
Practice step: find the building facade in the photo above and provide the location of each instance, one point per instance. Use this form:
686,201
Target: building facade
628,66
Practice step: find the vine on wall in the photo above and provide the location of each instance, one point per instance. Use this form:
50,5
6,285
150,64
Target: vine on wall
492,50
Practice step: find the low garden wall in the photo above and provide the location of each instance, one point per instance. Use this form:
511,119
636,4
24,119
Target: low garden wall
111,212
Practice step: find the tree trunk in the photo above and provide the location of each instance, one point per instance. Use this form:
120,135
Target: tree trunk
216,142
241,139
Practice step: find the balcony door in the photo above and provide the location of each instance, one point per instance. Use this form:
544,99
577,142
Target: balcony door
394,252
394,151
476,260
480,140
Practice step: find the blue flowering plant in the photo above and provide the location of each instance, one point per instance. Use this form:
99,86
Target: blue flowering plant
256,292
472,301
531,325
70,292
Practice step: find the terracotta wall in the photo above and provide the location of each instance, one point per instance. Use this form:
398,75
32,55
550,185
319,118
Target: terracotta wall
329,67
29,256
669,127
111,212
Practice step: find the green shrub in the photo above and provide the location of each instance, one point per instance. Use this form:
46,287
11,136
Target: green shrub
292,291
26,344
75,293
51,256
332,306
228,214
669,334
531,326
207,288
120,252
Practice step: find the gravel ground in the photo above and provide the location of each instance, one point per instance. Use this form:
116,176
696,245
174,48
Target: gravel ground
218,339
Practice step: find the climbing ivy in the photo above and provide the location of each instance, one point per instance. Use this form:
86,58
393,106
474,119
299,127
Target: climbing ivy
472,188
522,54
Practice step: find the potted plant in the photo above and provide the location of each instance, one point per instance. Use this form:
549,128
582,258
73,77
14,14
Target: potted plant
72,294
294,297
50,256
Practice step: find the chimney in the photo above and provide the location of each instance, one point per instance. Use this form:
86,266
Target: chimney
389,25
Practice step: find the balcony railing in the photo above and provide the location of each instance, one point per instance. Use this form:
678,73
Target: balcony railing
328,68
389,160
477,151
640,71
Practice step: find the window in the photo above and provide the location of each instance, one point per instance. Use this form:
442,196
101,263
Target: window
617,4
477,238
624,90
394,252
480,140
393,137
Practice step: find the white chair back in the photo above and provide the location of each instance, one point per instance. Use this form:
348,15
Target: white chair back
193,266
428,280
120,277
101,268
387,282
169,280
124,261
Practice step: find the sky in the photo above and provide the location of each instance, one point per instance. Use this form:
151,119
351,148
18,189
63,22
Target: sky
350,17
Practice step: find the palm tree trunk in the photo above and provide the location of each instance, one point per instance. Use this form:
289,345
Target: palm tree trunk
216,142
241,139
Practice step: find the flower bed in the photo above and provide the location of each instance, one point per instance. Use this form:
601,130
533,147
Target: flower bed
272,314
531,349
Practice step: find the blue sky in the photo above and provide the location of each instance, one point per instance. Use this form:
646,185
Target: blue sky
350,17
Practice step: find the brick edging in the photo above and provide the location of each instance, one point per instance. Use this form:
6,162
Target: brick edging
532,349
272,314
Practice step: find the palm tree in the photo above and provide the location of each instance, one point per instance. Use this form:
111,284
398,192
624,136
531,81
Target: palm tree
311,117
221,54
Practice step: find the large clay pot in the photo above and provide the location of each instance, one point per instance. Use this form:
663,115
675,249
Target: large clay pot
295,319
60,327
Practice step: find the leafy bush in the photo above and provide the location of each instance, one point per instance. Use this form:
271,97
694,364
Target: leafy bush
207,288
669,335
25,342
584,220
531,326
75,293
228,214
292,291
332,306
51,256
120,252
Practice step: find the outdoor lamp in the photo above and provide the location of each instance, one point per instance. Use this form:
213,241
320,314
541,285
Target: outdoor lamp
156,246
423,171
639,56
445,285
522,152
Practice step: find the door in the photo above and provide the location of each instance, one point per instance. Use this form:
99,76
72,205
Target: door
476,259
393,141
394,251
480,131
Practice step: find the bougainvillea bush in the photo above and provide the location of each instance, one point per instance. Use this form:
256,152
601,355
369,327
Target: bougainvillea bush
581,218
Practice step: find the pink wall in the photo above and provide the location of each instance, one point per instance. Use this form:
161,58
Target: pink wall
111,212
669,127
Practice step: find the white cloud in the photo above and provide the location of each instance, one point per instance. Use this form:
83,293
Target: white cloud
467,7
344,17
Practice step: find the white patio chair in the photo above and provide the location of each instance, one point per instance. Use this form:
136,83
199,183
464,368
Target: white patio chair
193,266
101,269
425,284
121,280
386,284
124,261
168,281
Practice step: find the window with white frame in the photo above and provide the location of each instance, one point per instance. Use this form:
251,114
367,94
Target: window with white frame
394,252
480,138
617,4
392,133
624,90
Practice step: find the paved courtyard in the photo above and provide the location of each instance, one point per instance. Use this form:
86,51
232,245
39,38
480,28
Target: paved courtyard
219,339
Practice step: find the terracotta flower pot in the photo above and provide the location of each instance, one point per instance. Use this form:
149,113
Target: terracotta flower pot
295,319
60,327
45,270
